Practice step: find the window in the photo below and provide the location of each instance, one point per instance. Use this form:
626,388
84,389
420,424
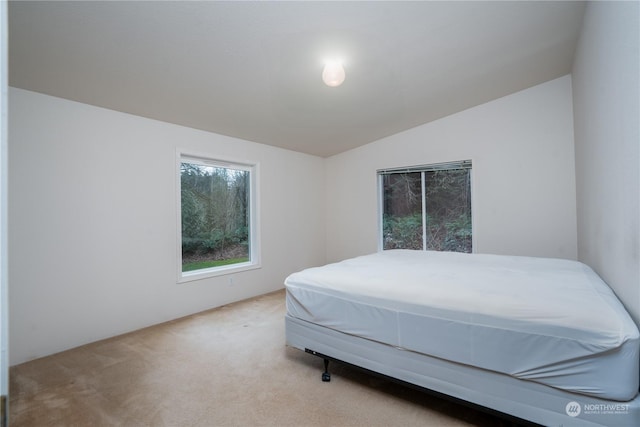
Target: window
217,217
426,207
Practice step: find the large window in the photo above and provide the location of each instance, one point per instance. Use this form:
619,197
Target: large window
217,217
426,207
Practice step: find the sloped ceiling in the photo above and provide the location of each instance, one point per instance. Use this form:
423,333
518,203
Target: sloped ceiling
252,70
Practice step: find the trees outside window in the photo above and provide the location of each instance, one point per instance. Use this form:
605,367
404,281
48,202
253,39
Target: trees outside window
215,215
427,207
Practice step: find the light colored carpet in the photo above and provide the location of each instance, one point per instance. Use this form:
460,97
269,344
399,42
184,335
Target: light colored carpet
224,367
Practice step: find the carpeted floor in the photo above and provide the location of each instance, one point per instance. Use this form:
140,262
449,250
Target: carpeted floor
224,367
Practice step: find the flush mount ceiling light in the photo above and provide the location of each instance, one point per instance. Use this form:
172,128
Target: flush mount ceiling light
333,73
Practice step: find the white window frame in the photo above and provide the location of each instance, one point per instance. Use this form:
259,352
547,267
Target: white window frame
254,216
422,168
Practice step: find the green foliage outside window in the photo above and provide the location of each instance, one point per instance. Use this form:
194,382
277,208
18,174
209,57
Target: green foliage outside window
215,216
447,200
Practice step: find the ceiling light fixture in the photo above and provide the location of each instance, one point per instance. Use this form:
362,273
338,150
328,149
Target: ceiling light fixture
333,74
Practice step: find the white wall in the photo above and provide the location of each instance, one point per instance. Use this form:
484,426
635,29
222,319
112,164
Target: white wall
93,228
606,95
523,175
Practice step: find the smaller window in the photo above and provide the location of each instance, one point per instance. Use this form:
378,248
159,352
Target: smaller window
426,207
217,217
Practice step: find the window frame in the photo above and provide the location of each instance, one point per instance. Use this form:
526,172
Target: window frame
254,215
461,164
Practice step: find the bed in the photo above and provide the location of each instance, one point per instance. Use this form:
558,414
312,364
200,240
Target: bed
543,340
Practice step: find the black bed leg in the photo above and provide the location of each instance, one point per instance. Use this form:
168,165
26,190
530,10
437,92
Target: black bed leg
326,376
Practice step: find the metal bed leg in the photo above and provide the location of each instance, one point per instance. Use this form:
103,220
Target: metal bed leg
326,376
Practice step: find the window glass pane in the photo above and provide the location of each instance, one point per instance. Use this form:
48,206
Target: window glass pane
215,216
427,207
402,211
448,207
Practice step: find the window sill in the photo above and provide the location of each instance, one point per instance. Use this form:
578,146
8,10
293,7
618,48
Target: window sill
206,273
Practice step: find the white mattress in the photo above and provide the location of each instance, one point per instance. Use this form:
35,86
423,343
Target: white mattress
550,321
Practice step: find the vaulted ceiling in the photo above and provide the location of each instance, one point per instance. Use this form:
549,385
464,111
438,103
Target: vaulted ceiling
252,70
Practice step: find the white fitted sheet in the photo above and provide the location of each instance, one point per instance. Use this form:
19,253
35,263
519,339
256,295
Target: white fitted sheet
550,321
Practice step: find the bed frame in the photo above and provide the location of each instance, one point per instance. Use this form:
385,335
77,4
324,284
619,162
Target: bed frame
525,400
